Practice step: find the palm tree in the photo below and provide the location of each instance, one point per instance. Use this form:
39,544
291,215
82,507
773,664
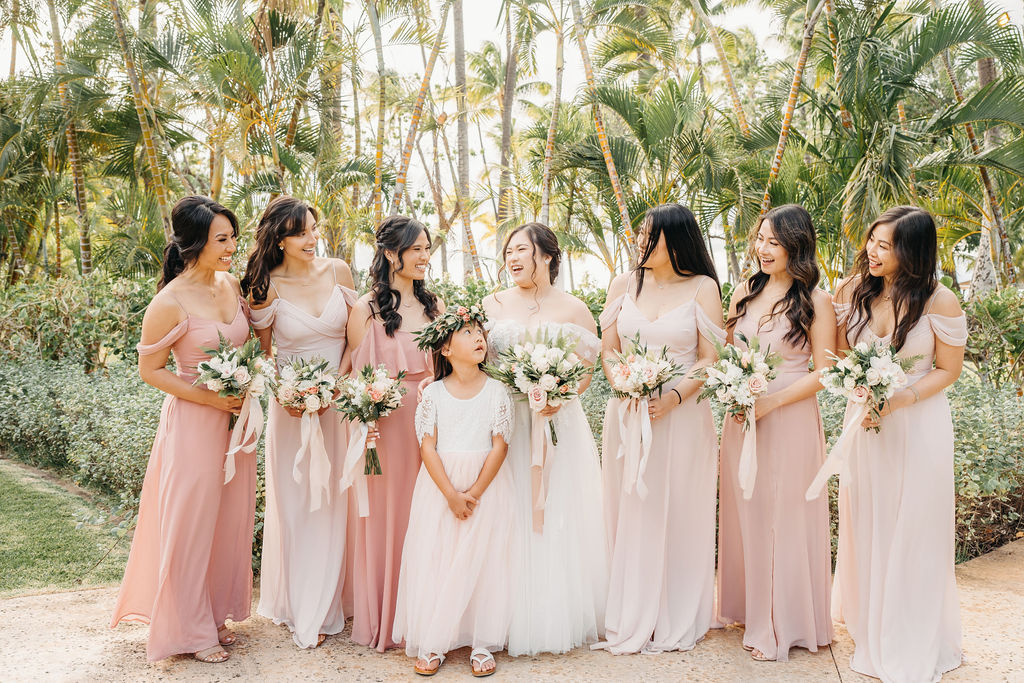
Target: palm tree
723,61
470,256
71,133
602,137
378,46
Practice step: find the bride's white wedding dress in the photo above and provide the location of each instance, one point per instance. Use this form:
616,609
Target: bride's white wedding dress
562,577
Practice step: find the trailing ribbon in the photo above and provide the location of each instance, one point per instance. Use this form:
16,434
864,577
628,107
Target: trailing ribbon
634,444
747,470
352,471
245,434
837,457
319,463
540,439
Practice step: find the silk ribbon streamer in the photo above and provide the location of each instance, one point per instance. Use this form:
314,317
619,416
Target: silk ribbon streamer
245,433
319,463
747,471
634,444
540,439
837,457
352,472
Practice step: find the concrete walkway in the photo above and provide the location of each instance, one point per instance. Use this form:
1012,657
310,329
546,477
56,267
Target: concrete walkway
63,637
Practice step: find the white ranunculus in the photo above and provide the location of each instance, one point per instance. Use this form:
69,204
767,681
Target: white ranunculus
215,385
849,383
312,403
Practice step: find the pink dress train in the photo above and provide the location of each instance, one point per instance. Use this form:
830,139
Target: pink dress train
662,575
375,542
774,550
302,572
895,586
190,566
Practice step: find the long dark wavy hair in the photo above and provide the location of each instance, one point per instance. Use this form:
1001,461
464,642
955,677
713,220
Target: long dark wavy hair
283,217
794,232
915,246
397,234
686,248
544,241
190,224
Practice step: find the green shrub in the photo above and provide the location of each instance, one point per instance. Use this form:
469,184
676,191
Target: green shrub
995,341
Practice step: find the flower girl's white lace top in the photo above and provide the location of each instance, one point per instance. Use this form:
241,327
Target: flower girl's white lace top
465,424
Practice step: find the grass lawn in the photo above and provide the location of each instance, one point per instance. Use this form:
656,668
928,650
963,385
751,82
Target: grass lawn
40,546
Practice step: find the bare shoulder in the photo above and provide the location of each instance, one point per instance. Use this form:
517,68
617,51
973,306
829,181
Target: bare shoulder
162,315
578,312
945,302
233,281
617,287
342,272
819,297
709,298
844,290
492,303
441,305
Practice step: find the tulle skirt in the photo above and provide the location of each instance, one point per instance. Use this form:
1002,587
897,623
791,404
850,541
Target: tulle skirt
455,586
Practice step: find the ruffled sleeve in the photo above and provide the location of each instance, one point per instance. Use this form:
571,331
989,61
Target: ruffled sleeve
949,330
707,327
611,312
351,296
426,415
262,318
176,333
502,417
842,312
588,344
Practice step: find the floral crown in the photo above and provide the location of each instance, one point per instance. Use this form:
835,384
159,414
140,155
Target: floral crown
454,318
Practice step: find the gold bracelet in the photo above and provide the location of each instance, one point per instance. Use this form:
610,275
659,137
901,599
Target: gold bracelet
917,396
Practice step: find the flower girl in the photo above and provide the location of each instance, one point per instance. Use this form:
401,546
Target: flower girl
455,584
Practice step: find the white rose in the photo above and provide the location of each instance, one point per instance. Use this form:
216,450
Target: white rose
312,403
540,362
215,385
258,386
862,347
548,382
873,376
555,355
241,375
288,373
849,383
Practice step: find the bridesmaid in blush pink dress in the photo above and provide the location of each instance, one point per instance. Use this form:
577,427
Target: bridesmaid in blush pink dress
190,566
895,587
380,330
660,511
774,547
302,302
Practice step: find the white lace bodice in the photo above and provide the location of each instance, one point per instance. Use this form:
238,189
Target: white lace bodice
465,424
502,334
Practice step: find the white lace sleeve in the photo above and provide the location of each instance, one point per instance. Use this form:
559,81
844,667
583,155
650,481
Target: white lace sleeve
426,416
503,417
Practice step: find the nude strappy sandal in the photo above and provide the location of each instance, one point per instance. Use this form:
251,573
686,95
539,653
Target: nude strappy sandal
213,655
479,657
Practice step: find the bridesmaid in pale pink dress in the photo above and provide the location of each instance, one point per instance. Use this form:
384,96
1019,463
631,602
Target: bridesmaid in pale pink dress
774,548
302,301
380,330
895,587
190,566
661,520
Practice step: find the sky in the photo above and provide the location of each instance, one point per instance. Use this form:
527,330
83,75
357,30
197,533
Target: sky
481,25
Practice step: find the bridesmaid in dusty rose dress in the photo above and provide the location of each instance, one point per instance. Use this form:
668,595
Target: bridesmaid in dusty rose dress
660,513
190,566
895,587
302,301
774,548
380,330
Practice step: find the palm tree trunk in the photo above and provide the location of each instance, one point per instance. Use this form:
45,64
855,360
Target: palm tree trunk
417,111
833,39
549,145
723,61
15,16
17,260
730,249
814,8
56,237
378,169
470,257
74,158
356,128
508,101
602,137
293,121
139,96
901,113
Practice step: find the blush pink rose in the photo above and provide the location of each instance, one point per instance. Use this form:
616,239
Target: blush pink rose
538,398
757,384
860,394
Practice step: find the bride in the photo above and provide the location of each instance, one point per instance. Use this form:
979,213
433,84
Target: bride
563,573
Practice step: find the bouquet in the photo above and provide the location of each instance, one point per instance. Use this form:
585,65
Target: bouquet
243,372
640,373
366,397
867,377
544,369
736,380
308,386
635,377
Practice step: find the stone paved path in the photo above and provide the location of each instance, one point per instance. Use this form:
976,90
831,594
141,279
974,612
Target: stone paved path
63,637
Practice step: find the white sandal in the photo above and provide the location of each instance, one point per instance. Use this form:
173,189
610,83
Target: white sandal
480,656
429,658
